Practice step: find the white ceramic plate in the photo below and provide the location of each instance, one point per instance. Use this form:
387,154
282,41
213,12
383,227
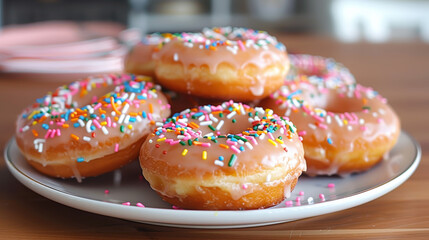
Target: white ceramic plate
127,185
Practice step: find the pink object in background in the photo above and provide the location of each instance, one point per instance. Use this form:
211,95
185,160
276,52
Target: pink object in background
61,50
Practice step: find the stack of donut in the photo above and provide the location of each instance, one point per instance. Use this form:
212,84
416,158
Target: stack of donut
253,119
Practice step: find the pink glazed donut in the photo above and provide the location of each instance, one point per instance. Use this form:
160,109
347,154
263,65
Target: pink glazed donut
228,156
222,63
345,128
91,126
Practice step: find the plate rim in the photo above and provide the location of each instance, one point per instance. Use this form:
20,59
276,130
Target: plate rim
217,218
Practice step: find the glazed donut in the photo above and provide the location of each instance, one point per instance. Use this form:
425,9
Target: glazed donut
224,63
345,128
76,131
139,60
229,156
303,66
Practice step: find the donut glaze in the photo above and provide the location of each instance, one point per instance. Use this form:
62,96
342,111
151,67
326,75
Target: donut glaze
76,131
139,60
345,128
229,156
223,63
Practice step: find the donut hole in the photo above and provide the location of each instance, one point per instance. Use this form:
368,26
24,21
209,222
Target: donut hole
316,69
312,72
241,124
338,103
93,95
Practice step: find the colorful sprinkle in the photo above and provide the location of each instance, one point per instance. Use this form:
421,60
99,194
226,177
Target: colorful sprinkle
140,205
59,110
232,160
185,128
272,142
74,137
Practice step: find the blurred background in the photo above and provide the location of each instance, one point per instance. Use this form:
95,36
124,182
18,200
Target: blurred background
72,37
347,20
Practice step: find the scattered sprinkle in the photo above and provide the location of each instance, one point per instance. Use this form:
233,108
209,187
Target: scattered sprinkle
58,113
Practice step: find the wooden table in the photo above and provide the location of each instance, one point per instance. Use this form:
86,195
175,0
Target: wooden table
399,71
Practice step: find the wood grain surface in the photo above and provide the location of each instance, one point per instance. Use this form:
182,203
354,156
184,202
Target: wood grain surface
399,71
